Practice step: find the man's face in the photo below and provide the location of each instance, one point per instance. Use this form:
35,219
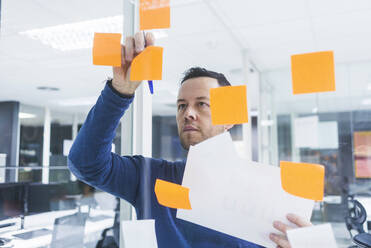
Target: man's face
193,111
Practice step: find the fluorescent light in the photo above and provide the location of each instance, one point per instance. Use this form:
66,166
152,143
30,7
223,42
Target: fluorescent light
315,110
77,35
82,101
80,35
366,101
47,88
26,115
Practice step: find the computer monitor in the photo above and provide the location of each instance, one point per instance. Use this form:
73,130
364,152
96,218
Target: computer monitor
40,197
51,197
12,200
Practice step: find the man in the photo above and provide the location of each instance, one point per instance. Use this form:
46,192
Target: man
133,177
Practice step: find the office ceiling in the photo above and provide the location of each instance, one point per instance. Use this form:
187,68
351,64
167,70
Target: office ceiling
210,33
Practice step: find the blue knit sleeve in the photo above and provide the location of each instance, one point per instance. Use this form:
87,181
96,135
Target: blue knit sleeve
90,158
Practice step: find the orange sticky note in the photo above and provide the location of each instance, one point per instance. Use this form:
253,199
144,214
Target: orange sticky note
147,65
228,105
154,14
303,179
107,49
172,195
313,72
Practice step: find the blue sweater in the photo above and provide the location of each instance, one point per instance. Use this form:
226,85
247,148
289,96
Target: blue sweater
133,177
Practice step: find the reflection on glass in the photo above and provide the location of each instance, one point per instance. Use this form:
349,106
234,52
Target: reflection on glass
31,142
362,154
60,133
165,139
56,214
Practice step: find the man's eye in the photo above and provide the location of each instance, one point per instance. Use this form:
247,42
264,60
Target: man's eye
202,104
181,106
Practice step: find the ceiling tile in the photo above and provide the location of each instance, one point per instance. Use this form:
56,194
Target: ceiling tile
251,12
277,34
330,7
194,18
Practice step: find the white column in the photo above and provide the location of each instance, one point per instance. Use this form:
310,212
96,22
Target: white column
142,121
46,146
274,136
130,119
3,167
18,150
294,150
268,124
251,79
75,124
265,134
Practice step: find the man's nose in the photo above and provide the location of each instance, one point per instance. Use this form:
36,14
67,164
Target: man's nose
190,114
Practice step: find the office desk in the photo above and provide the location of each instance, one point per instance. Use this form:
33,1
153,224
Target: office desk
93,228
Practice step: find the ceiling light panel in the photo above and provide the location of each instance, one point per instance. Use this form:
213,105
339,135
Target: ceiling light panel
78,35
26,115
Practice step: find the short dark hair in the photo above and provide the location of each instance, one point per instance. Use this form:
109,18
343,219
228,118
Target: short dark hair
195,72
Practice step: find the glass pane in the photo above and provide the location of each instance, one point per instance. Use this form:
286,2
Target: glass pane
54,83
46,68
56,214
335,135
31,142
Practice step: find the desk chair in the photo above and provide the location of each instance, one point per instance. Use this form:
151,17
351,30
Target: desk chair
362,240
69,231
354,221
111,241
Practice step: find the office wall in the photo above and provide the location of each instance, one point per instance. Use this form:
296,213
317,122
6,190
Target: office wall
339,162
165,140
9,133
166,143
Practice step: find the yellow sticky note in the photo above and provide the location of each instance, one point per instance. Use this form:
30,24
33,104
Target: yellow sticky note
107,49
303,179
228,105
147,65
313,72
154,14
172,195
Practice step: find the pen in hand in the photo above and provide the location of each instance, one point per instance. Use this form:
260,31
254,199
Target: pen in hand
150,83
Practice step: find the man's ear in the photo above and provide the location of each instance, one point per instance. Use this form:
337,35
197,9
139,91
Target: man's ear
227,127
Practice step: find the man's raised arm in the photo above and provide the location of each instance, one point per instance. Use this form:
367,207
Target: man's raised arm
90,158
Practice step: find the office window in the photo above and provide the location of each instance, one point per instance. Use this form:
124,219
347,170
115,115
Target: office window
31,143
46,66
51,76
330,129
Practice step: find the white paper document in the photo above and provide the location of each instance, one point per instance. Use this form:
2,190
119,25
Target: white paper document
313,236
235,196
139,233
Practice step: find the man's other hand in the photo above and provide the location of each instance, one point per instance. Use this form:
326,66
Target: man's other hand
121,75
281,239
